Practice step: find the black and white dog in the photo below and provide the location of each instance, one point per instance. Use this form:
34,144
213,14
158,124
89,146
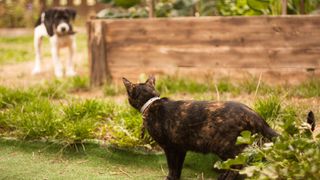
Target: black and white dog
55,23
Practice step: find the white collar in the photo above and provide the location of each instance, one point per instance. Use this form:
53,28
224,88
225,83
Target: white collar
148,103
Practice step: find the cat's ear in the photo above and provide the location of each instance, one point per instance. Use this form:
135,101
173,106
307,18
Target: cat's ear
151,81
128,85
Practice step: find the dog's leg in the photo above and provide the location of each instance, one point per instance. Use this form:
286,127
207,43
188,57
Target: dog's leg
39,32
175,159
55,58
72,49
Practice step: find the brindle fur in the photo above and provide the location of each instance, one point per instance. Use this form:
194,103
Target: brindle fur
200,126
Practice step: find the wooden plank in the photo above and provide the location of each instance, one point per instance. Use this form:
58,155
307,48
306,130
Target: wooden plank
207,56
263,42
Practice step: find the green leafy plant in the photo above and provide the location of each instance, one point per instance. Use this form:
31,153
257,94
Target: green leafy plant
262,7
293,155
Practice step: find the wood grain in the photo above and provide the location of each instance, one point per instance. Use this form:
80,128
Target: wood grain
263,42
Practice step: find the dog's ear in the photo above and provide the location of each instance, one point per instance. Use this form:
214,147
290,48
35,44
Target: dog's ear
311,120
151,81
49,19
128,85
72,13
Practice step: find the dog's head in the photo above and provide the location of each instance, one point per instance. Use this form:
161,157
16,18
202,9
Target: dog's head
139,94
59,21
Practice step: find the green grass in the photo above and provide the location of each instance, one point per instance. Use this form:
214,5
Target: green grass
269,107
79,83
113,90
174,84
20,49
38,160
307,89
47,112
12,97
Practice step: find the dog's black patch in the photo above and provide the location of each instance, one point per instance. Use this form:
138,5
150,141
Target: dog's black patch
200,126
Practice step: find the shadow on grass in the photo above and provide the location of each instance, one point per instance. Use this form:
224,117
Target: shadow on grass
111,160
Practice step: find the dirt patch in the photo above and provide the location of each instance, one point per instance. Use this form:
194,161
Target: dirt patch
19,74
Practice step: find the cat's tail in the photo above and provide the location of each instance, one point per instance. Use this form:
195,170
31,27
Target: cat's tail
311,120
268,132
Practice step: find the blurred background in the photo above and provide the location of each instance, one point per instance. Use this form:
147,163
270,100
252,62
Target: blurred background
23,13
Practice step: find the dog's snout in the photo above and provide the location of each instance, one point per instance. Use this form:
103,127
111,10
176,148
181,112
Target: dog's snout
63,28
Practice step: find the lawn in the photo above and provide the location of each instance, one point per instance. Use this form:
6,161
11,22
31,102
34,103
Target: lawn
40,160
65,129
20,49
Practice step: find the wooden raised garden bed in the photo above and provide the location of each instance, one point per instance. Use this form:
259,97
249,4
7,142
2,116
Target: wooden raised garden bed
278,46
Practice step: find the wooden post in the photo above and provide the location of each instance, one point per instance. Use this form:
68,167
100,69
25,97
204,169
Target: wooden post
99,68
284,4
151,5
302,9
